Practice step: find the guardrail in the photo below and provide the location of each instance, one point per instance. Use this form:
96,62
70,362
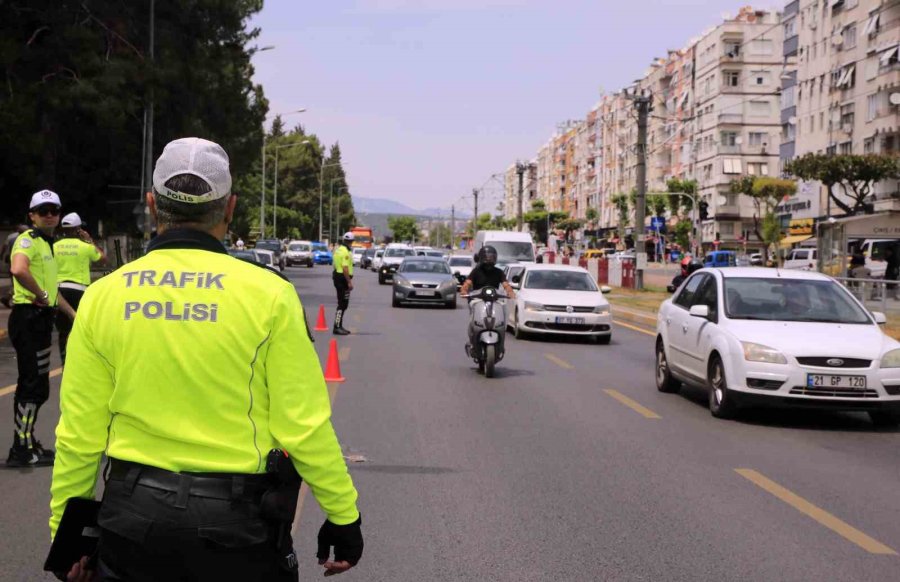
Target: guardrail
875,294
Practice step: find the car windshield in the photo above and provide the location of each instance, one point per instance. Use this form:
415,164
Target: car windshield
513,251
298,248
246,255
560,281
321,247
436,254
268,246
791,300
264,258
460,262
425,267
399,253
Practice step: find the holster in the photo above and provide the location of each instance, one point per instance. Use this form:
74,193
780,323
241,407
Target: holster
279,503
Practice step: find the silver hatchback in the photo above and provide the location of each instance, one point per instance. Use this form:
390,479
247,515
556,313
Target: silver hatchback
424,280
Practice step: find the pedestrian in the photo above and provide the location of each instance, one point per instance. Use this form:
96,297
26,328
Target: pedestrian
35,299
343,281
239,245
6,253
186,367
892,270
74,252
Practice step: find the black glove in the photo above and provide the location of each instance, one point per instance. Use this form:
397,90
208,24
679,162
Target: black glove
346,539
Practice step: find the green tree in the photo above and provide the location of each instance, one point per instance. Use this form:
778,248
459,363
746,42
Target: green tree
679,204
569,224
767,194
404,228
439,235
683,233
592,215
623,204
856,175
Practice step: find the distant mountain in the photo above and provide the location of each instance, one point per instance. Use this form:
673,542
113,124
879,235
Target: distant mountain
384,206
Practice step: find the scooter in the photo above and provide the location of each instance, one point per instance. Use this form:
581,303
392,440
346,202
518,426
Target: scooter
487,329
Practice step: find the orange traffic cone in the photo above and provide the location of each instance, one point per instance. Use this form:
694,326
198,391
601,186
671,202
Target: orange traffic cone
320,324
333,366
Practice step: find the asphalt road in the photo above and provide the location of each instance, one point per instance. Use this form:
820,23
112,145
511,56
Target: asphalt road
567,466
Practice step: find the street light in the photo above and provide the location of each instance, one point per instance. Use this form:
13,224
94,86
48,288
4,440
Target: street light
262,193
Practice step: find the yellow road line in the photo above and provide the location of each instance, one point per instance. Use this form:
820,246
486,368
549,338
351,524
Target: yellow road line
635,328
836,525
12,387
639,408
559,362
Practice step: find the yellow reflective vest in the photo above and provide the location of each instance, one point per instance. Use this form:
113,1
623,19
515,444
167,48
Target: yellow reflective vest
191,360
41,263
342,257
73,258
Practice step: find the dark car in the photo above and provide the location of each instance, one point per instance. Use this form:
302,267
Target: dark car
276,247
365,262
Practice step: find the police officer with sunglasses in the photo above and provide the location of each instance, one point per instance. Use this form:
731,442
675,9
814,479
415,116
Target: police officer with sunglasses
35,301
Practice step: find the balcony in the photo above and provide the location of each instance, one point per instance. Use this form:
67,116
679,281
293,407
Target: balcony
731,118
791,46
728,149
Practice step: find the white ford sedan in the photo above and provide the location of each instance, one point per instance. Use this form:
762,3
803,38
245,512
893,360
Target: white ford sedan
558,299
776,337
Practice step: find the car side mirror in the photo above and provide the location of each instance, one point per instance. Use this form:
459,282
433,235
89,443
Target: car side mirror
670,288
701,311
879,317
605,289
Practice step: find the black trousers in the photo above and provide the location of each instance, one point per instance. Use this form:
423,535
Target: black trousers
31,333
63,323
342,290
151,534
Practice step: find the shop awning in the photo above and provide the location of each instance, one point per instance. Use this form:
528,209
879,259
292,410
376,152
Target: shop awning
790,241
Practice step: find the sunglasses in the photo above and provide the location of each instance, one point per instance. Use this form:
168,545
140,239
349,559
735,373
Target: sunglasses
47,210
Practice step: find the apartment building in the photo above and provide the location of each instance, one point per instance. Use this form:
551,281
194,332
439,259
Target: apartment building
844,95
511,188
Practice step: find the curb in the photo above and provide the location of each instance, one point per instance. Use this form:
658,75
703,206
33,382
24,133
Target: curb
641,318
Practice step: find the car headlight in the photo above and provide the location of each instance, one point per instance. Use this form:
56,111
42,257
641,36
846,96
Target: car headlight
401,281
531,306
602,309
891,359
760,353
449,283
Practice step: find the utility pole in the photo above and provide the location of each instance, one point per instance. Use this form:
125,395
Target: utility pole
643,103
520,170
475,219
148,131
453,227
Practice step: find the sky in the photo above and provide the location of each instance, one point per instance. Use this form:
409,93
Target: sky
430,98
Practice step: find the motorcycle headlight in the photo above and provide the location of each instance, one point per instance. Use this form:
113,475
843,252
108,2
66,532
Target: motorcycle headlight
891,359
760,353
602,309
531,306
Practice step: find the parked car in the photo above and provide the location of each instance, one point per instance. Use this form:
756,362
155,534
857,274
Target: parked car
424,280
720,259
756,260
377,260
801,260
245,255
365,262
277,249
321,254
874,251
393,256
299,252
780,338
559,300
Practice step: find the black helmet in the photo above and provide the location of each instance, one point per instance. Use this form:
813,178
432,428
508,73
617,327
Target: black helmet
694,265
487,256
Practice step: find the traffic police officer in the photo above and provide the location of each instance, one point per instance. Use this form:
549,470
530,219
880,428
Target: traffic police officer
343,281
35,299
74,252
187,366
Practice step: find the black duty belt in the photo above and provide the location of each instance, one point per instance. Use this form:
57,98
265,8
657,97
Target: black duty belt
224,486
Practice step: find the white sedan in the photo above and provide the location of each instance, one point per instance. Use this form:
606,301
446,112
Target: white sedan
561,300
783,338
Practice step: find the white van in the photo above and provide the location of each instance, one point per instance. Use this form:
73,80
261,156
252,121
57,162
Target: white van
512,247
803,259
874,250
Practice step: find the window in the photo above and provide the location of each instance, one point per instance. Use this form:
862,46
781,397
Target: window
731,166
790,28
761,78
872,64
871,107
889,57
726,228
729,138
822,120
732,48
874,23
707,294
849,36
869,146
846,147
732,78
686,297
761,46
731,199
757,138
847,116
760,108
788,97
758,168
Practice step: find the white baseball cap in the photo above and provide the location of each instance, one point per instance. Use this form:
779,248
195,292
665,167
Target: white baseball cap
44,197
196,156
71,220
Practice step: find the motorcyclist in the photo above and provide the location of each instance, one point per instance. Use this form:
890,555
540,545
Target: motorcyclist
487,274
686,270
